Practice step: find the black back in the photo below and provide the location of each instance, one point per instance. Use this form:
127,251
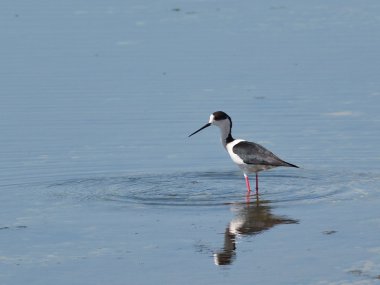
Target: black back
253,153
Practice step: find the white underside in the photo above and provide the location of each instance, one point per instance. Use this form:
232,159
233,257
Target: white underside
250,168
246,168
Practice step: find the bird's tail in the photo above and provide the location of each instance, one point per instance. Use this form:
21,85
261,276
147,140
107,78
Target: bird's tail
290,165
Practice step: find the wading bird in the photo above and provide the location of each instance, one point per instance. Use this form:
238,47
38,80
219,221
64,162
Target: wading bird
249,156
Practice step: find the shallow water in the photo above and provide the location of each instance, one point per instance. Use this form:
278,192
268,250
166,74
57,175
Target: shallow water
100,184
321,222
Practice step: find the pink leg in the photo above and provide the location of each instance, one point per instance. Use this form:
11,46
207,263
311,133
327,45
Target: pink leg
247,183
257,184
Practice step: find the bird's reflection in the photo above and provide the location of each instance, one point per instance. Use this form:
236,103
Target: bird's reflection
253,218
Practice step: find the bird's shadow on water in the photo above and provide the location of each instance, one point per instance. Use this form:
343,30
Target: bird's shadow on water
253,218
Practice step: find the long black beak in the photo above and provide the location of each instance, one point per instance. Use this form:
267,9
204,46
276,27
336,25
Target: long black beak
205,126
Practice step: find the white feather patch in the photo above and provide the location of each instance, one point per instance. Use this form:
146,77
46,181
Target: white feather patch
235,158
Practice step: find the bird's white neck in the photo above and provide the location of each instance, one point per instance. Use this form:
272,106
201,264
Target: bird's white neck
225,134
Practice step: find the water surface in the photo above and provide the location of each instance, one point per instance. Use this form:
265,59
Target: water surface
99,183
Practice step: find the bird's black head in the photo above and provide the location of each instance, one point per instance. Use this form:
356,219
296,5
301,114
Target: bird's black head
220,115
220,119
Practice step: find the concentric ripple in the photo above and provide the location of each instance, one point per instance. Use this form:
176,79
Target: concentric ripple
214,188
186,189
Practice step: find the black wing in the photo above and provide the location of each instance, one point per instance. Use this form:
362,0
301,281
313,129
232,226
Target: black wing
253,153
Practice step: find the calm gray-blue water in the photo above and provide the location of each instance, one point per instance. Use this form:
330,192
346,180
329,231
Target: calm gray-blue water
100,184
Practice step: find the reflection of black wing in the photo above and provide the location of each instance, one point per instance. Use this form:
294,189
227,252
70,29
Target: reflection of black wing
253,153
258,218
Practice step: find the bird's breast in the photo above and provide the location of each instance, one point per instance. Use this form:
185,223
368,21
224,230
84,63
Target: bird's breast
235,158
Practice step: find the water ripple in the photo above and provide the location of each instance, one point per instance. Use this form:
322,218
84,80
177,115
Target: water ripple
216,188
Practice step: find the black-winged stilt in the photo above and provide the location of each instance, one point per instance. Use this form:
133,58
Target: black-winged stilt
249,156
